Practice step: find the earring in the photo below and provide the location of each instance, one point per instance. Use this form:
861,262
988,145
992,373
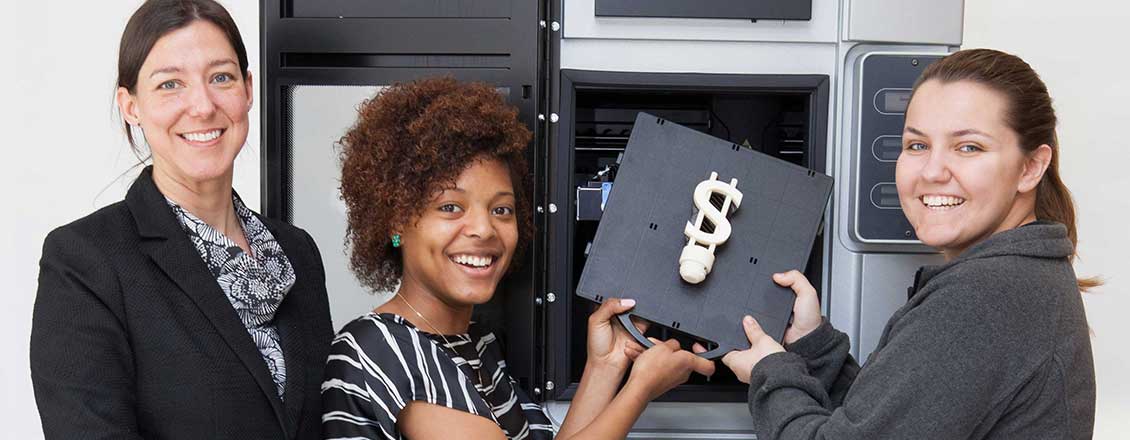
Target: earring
395,240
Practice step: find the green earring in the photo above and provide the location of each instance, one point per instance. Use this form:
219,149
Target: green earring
395,240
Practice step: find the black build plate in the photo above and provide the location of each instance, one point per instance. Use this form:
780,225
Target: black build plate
640,236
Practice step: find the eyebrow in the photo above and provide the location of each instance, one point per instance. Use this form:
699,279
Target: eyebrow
176,69
958,133
496,195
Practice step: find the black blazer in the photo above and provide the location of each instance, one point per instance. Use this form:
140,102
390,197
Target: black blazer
133,338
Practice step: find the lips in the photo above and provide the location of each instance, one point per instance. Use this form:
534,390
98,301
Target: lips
202,136
941,201
478,261
475,265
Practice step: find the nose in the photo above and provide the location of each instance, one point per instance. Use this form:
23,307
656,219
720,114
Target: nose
200,104
478,224
936,168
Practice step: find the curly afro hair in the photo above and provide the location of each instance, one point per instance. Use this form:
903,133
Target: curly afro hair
412,141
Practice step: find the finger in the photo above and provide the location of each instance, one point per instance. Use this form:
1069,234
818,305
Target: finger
797,281
632,353
698,348
633,345
654,340
752,329
610,307
703,366
673,344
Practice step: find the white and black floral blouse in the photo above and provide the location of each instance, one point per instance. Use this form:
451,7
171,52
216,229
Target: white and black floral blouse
254,284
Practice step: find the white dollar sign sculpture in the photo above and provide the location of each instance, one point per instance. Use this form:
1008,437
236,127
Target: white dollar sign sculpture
697,258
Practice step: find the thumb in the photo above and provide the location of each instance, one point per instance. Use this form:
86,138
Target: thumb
729,358
752,329
610,307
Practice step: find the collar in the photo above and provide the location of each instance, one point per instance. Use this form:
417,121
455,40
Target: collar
1039,239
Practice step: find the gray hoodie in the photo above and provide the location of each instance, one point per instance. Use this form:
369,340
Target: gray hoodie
992,345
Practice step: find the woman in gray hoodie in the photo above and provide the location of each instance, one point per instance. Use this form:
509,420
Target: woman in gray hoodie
992,344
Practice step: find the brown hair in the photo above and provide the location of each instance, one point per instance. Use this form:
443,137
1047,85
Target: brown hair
1029,113
157,18
412,141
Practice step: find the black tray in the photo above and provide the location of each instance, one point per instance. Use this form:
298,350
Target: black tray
640,237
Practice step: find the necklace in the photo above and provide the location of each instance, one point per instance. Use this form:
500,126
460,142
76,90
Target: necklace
478,371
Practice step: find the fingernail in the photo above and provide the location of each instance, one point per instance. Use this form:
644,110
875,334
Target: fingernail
627,302
748,319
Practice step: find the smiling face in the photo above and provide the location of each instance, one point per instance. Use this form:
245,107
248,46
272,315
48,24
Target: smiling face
962,175
463,242
191,101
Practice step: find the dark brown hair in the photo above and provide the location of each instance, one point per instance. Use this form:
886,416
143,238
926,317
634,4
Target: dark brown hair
1029,113
157,18
412,141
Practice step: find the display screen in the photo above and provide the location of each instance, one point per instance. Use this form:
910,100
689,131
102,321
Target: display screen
887,148
893,100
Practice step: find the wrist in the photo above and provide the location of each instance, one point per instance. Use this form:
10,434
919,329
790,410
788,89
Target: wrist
636,390
601,367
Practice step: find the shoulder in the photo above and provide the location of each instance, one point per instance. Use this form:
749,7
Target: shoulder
383,340
104,224
93,237
1017,299
1006,280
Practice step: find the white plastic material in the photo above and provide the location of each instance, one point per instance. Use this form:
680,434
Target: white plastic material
697,258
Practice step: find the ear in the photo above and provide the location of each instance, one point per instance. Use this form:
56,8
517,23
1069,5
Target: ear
1035,165
250,90
127,106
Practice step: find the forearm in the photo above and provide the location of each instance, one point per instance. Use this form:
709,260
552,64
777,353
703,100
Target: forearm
597,388
616,419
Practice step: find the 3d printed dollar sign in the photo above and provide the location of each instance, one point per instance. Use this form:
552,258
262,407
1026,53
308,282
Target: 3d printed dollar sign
698,255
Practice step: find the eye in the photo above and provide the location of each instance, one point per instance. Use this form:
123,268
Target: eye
223,78
969,148
167,85
450,207
915,146
502,211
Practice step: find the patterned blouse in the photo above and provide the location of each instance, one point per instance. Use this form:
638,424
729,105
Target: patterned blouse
379,363
254,284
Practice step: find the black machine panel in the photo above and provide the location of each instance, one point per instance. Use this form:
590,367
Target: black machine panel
307,43
637,250
404,8
743,9
886,82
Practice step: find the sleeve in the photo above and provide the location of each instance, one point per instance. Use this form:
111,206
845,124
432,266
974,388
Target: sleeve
375,368
81,360
826,355
936,378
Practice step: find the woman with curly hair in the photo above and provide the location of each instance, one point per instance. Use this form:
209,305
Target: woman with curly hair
434,176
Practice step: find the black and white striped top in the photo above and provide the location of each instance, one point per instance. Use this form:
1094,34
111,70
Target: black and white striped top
380,362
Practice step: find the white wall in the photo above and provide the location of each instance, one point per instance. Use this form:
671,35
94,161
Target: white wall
1079,48
63,151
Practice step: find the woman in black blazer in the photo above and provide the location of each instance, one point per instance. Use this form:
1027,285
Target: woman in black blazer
178,312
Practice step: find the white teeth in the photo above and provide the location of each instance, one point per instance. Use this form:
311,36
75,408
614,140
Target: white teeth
471,260
202,137
941,201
